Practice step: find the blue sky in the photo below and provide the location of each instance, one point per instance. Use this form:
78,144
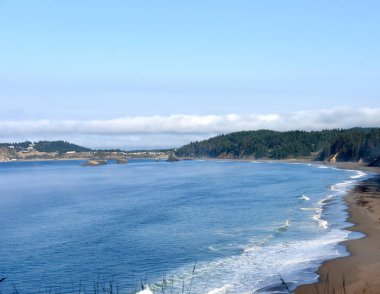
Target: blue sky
122,64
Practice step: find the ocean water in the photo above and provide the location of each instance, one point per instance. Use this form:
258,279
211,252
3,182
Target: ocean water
184,227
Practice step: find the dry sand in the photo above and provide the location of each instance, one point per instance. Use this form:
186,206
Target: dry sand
359,272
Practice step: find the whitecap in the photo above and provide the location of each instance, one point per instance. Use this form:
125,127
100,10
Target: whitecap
304,197
212,248
145,291
220,290
308,208
285,226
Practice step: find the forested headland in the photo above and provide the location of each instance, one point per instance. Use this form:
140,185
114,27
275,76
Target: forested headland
356,144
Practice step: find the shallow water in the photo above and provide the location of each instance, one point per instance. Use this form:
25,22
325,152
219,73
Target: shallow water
205,226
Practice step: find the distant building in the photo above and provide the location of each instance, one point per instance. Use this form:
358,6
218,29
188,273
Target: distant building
70,152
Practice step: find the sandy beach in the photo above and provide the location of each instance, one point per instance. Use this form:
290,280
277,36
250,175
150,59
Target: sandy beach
360,271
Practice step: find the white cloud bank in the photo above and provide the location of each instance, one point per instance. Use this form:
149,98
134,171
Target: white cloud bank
172,130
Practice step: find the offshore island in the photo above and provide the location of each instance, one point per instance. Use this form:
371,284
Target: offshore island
357,148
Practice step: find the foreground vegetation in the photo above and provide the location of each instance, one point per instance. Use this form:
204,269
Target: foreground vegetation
356,144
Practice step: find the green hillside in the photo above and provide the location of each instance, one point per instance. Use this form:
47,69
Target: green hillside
59,146
47,146
339,144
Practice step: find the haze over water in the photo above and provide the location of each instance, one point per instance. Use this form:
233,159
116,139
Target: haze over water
242,224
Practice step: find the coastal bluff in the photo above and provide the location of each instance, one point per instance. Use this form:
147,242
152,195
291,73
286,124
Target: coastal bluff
361,145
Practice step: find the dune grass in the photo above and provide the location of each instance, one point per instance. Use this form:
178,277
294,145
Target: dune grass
167,286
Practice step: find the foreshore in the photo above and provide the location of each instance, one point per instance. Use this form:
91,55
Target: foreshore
360,271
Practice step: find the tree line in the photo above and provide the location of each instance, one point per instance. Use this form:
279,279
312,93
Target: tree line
341,144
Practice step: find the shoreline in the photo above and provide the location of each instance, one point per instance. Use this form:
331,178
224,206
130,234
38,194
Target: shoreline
359,271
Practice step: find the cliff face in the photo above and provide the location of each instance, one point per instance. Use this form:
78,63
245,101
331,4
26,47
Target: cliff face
354,148
4,154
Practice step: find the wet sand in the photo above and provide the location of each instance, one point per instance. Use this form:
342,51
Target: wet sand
359,272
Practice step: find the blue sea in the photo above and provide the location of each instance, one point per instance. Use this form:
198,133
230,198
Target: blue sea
171,227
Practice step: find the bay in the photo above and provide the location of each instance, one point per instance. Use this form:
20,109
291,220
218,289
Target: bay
198,226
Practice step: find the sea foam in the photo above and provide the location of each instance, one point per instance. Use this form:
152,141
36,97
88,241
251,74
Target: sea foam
254,269
260,263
